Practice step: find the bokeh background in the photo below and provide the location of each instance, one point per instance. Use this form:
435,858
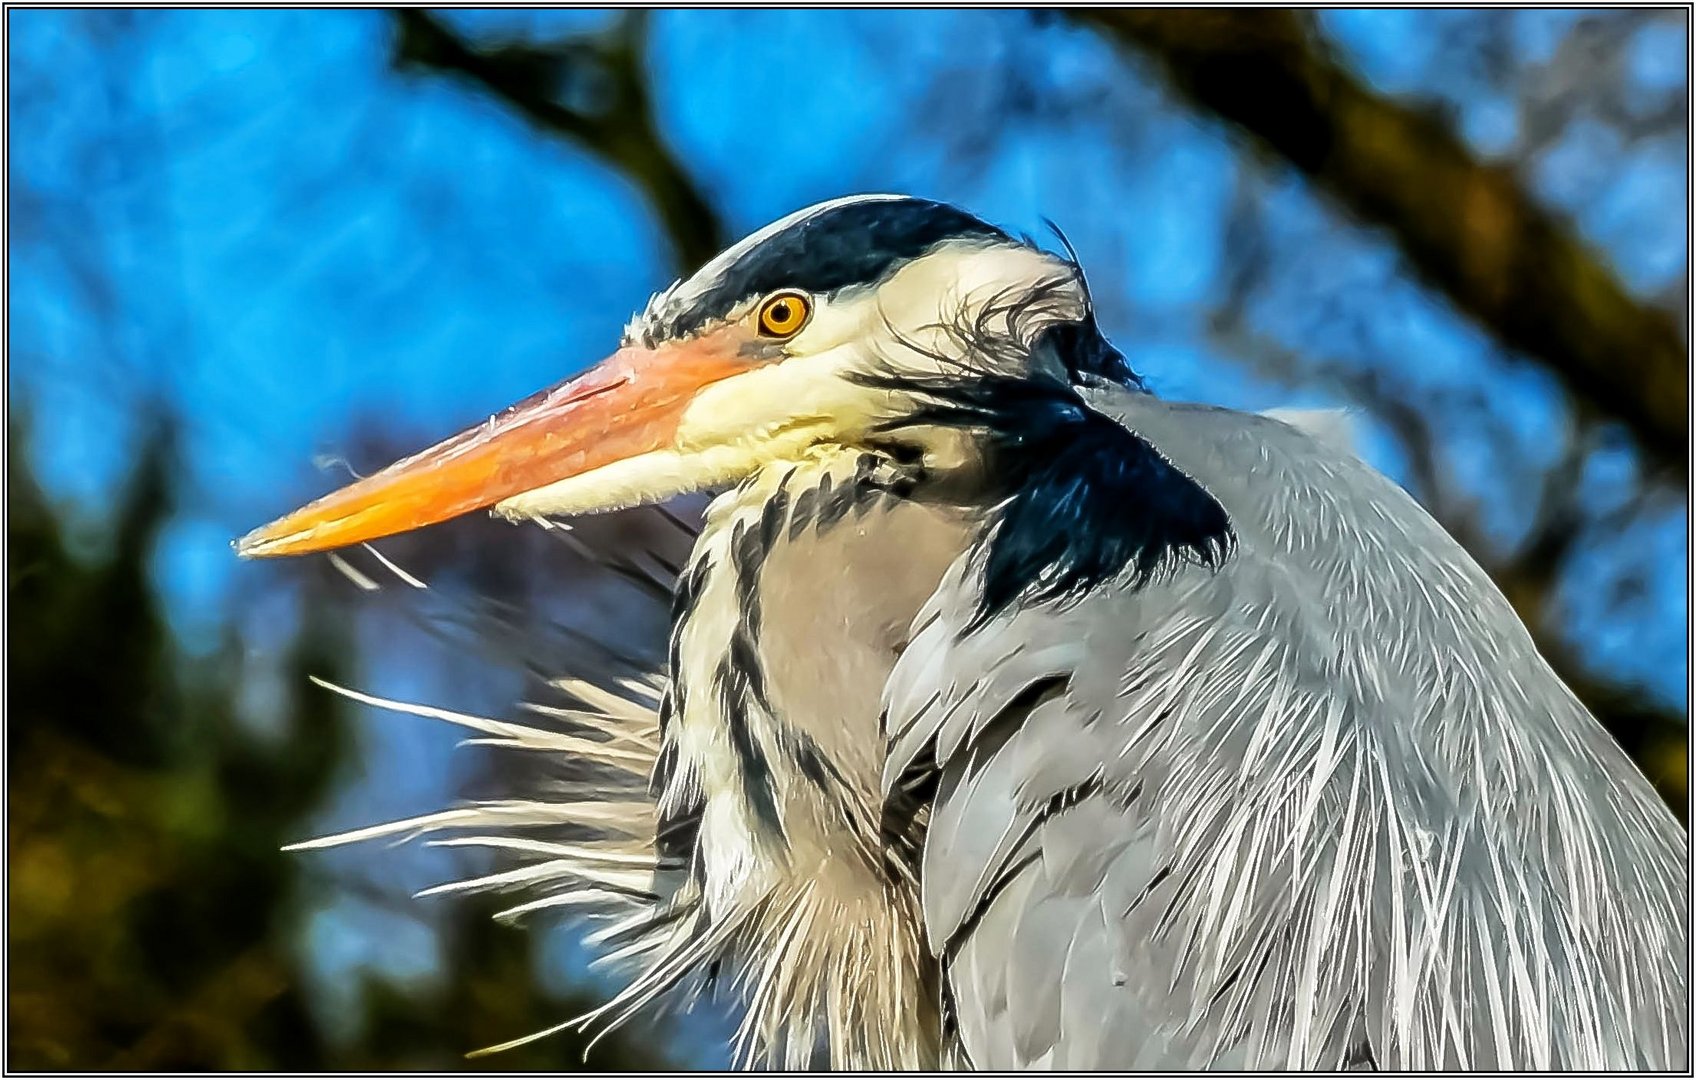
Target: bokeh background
250,252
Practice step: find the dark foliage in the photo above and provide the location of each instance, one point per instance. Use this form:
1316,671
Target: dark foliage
153,917
146,886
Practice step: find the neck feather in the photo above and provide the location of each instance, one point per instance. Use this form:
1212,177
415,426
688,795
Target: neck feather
790,615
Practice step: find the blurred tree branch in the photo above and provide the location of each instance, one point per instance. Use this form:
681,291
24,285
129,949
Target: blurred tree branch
590,90
1467,226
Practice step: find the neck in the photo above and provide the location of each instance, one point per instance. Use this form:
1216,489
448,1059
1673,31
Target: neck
789,618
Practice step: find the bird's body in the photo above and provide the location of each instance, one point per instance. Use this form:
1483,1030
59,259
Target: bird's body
1015,717
1285,835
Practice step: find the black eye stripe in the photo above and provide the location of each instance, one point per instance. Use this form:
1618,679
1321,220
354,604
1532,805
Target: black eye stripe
852,244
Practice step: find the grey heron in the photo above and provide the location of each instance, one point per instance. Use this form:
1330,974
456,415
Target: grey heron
1018,717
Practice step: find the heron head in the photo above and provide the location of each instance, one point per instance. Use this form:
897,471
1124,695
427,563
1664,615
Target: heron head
817,329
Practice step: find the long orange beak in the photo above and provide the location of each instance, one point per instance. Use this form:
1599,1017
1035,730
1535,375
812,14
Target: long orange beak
628,404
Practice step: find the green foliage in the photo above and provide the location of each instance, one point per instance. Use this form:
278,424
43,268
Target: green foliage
154,921
149,902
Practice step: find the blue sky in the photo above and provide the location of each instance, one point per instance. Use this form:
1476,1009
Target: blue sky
251,220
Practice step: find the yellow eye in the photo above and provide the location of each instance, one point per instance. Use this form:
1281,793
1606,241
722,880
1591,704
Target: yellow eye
784,314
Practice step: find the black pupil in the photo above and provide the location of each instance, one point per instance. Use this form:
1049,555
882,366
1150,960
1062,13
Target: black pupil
780,312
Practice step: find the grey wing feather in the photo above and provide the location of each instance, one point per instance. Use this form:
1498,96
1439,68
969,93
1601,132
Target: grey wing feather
1323,806
1338,427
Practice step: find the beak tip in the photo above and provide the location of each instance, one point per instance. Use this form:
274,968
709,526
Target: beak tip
263,543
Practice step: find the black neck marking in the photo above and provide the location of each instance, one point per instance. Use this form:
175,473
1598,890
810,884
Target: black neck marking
1082,499
739,678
